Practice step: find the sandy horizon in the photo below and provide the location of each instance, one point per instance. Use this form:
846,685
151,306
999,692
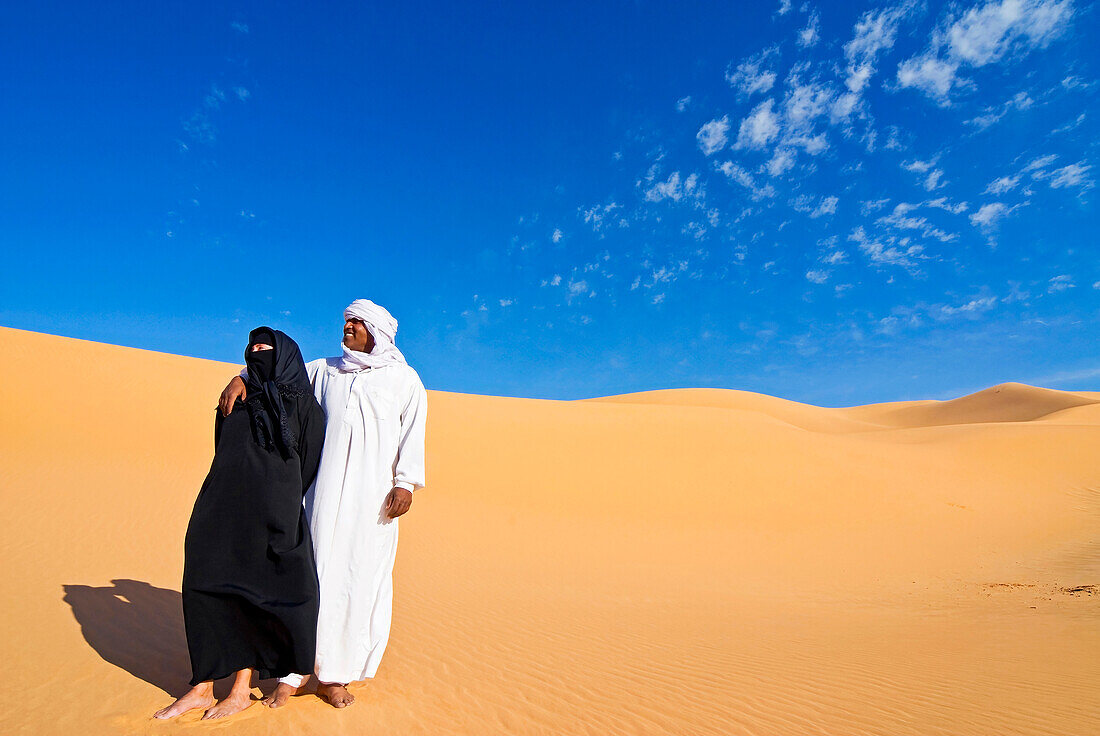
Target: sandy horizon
691,561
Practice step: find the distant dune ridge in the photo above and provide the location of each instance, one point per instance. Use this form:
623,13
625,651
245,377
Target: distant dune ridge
674,562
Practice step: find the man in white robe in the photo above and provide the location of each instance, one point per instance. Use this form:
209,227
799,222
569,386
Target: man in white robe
373,459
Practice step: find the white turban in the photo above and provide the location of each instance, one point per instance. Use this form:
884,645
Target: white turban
382,327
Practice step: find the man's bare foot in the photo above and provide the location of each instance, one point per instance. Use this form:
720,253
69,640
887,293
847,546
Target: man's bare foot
282,693
200,696
335,694
227,706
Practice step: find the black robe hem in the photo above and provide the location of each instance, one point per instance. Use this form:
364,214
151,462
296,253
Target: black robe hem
262,673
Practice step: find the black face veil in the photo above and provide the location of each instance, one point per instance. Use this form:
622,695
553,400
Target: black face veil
269,373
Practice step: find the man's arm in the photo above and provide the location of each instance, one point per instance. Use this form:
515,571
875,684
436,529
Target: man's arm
235,390
408,469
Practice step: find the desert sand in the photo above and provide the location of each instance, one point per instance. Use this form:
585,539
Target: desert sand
674,562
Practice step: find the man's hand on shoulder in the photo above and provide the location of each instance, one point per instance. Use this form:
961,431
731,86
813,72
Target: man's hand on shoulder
398,502
235,390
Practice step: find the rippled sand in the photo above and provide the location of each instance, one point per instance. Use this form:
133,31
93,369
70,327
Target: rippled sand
674,562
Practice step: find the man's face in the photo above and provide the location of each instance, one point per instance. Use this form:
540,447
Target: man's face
356,336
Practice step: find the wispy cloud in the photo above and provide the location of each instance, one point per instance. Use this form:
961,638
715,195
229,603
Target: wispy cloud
712,136
1074,175
809,35
754,74
874,32
989,216
889,250
741,176
982,35
760,127
1060,283
675,189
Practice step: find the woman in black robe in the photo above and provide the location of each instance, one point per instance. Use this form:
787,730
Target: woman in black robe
249,580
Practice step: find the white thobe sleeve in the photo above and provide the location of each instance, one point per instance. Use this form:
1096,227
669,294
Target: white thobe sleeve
408,468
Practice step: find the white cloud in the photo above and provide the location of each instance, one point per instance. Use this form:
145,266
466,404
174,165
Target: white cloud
1074,175
874,32
782,160
817,277
932,180
556,280
557,235
712,136
1060,283
1070,125
890,251
507,302
983,35
682,103
753,74
942,203
805,103
1022,101
919,167
809,35
784,7
760,128
873,205
972,307
842,107
741,176
826,206
673,188
929,74
598,215
1002,185
239,27
989,215
658,298
1037,166
900,219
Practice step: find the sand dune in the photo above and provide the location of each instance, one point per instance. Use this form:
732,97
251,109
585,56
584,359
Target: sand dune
678,562
1009,402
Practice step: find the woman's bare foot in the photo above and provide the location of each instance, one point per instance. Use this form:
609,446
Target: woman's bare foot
282,693
232,703
200,696
335,694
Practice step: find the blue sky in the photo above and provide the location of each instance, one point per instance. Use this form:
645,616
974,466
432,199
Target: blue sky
833,203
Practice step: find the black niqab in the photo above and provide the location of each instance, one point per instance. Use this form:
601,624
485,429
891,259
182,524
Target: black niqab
273,374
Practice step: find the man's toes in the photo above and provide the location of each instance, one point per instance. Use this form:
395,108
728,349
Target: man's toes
279,696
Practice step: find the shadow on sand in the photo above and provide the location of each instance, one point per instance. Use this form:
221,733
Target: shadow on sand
137,627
